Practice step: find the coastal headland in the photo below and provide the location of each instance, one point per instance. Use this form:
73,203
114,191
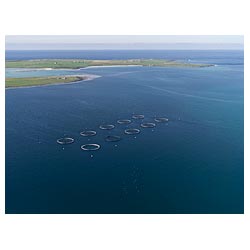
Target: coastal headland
77,64
40,81
50,64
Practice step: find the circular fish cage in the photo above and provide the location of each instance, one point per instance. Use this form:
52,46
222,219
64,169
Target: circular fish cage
132,131
124,121
161,119
137,116
65,140
90,147
148,125
88,133
106,127
112,138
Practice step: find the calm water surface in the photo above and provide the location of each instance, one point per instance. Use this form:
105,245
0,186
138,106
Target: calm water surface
192,164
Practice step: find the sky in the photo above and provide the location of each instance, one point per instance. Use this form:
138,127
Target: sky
31,42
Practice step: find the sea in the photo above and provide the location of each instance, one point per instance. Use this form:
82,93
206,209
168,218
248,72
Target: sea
192,164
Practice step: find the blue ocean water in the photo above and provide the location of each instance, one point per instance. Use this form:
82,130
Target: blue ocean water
192,164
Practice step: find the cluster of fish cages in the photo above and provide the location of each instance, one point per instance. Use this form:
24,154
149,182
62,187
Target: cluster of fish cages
110,127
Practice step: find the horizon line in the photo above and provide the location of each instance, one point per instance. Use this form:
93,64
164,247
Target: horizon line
125,46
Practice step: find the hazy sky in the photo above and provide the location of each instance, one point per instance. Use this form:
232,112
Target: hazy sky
123,42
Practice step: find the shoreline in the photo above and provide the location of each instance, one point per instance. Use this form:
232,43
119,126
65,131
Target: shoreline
51,64
76,66
82,78
112,66
41,69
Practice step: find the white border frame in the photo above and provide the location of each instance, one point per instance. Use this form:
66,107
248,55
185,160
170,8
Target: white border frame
125,231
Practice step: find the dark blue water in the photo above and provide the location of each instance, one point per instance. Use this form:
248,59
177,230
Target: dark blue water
193,164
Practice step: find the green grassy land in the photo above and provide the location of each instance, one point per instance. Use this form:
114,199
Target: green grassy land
38,81
75,64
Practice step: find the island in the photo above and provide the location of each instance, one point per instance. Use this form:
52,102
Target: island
40,81
77,64
50,64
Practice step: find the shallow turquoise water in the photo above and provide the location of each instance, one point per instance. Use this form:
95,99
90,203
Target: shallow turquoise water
193,164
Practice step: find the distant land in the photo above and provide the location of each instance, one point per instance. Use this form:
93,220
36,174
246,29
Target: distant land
78,63
40,81
49,64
